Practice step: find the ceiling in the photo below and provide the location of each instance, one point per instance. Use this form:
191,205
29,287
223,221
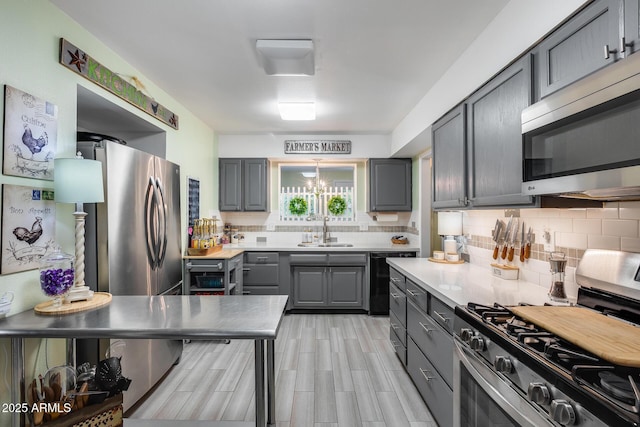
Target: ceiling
374,59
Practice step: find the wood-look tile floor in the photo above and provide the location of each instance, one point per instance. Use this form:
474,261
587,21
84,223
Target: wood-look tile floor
332,370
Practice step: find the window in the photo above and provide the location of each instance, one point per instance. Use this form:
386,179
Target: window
310,190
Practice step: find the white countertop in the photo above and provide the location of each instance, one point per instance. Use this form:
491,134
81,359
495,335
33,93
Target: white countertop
458,284
293,247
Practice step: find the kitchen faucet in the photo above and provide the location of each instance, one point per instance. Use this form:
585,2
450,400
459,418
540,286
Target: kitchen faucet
325,230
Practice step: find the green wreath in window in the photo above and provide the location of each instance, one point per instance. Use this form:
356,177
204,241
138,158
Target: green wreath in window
337,205
298,206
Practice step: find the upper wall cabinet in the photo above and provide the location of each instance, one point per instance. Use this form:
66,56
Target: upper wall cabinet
449,160
389,185
243,184
631,42
587,42
494,137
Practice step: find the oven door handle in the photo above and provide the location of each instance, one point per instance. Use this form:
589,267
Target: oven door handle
509,400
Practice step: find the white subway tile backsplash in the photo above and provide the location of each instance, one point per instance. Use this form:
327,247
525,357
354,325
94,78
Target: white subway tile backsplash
572,240
611,213
604,242
620,227
587,226
550,213
630,210
573,213
630,244
561,224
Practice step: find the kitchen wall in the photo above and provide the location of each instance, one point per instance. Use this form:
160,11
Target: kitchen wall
367,227
29,49
614,226
512,32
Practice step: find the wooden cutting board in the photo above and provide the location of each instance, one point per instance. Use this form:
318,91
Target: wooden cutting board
611,339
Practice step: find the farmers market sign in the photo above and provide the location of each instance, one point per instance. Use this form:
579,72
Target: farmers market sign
79,62
317,147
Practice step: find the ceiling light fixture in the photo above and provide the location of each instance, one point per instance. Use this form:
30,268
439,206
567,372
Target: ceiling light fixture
287,57
297,110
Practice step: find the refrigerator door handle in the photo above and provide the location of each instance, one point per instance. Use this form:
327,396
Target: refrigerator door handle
162,215
149,220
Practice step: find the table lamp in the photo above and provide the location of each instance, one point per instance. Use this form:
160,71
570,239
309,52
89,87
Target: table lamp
78,180
450,225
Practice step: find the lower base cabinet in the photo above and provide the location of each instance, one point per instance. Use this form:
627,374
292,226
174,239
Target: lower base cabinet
328,287
432,387
421,335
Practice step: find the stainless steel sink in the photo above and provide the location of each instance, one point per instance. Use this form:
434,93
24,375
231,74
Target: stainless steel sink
326,245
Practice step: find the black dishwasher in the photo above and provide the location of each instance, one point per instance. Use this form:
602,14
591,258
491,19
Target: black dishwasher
379,280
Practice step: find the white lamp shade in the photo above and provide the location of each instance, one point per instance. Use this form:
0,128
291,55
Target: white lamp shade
450,223
78,180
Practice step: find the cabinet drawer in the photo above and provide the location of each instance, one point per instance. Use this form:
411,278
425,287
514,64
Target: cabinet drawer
398,304
397,327
442,313
308,259
433,341
204,266
261,257
398,347
347,259
260,290
434,390
397,278
260,274
417,295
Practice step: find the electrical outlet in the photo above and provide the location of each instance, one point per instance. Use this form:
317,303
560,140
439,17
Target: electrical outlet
271,227
549,241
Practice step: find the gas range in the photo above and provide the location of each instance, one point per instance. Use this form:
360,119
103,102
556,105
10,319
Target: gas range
564,383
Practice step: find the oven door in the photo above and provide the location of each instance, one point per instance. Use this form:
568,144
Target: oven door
481,397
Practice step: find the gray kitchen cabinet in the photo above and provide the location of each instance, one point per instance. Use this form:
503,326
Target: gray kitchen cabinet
631,42
243,184
327,280
344,286
261,271
389,185
589,41
426,349
434,390
328,287
449,160
398,318
494,137
309,287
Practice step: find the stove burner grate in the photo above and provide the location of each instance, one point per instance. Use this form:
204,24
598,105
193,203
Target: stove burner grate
617,387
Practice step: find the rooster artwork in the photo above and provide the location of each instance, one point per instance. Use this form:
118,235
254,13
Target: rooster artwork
28,227
29,135
29,236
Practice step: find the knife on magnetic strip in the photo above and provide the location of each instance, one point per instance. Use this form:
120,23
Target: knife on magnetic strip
522,244
527,249
498,233
512,243
503,255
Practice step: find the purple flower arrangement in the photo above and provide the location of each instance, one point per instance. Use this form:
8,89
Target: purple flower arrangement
56,281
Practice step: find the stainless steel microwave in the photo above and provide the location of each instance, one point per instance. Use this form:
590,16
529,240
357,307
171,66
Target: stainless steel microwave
584,141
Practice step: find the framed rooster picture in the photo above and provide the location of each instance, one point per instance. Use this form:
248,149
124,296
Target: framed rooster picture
28,227
30,135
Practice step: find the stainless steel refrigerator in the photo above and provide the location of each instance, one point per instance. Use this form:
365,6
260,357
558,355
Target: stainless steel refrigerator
133,247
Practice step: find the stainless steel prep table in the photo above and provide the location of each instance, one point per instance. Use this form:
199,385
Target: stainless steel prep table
253,317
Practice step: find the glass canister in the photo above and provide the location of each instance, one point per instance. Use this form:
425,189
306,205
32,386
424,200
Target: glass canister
558,263
57,275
